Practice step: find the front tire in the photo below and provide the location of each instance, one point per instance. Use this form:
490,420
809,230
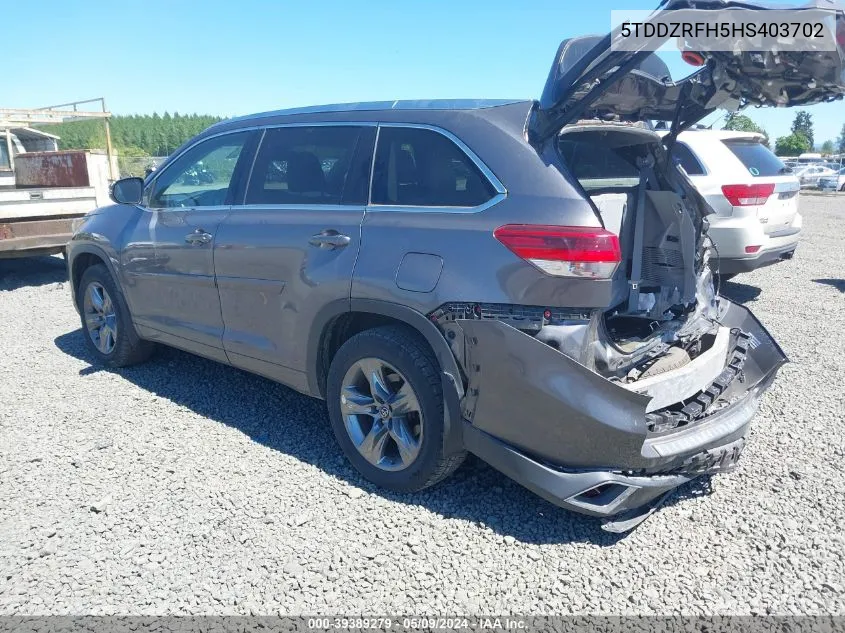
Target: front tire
106,322
386,408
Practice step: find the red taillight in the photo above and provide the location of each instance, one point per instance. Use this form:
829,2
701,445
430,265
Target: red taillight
840,33
752,249
692,58
748,195
566,251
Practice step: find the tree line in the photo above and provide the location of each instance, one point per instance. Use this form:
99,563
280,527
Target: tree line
158,135
801,138
134,134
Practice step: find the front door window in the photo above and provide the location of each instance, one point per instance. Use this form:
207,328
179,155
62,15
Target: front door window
202,176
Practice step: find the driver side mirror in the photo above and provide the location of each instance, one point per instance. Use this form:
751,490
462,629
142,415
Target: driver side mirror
127,191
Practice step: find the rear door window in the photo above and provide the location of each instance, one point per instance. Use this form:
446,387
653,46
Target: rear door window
682,154
307,165
757,158
422,168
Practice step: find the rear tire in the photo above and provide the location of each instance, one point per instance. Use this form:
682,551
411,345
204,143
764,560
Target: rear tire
386,408
106,323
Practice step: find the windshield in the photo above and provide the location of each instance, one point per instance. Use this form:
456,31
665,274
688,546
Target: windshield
757,158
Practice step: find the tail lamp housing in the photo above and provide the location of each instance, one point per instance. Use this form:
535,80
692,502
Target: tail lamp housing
748,195
564,251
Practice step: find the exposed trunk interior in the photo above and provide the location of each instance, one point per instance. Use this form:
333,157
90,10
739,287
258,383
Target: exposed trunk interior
663,307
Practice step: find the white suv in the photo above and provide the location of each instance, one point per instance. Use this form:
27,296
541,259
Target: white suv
754,196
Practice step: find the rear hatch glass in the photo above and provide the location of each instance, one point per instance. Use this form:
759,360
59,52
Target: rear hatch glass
780,207
757,158
597,166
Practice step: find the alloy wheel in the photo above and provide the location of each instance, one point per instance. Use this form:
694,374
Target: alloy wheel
382,414
100,317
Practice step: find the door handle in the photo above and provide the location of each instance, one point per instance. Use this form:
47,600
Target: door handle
329,239
199,236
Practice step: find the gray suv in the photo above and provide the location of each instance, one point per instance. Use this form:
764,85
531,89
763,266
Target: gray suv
527,281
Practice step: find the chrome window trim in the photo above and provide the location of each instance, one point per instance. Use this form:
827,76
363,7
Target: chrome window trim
299,207
210,207
501,191
378,208
250,128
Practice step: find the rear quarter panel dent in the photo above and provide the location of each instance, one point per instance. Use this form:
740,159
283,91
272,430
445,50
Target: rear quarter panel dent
536,398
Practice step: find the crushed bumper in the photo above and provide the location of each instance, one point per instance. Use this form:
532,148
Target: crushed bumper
606,493
584,442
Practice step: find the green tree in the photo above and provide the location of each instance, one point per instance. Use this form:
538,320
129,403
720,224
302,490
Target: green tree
803,124
828,147
743,123
840,143
792,145
153,134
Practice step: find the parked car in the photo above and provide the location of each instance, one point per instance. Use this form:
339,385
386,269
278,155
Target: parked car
524,280
833,182
810,175
754,196
198,174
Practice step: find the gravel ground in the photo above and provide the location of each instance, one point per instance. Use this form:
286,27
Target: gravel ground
183,486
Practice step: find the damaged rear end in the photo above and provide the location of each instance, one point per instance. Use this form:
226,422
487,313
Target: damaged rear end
603,410
594,443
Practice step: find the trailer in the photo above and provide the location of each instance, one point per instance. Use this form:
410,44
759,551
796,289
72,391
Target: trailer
43,191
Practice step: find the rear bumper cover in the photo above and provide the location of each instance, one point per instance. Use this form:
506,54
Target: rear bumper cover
616,491
730,266
731,235
581,441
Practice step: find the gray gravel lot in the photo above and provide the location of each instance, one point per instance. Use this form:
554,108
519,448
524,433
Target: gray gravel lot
183,486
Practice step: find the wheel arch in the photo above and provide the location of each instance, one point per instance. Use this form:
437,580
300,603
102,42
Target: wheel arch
341,319
83,257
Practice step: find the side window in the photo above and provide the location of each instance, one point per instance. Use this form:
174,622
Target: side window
423,168
683,154
305,165
201,176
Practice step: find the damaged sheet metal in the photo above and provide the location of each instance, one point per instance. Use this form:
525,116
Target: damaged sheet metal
532,396
539,400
